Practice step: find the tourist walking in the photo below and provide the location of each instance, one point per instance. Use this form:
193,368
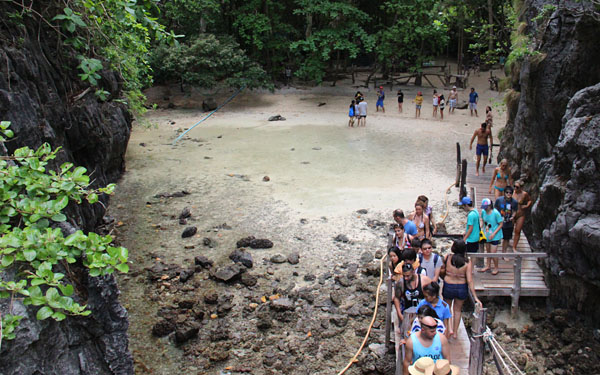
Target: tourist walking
426,343
492,224
442,105
482,134
362,113
380,98
473,99
501,178
418,103
436,99
400,100
458,280
471,236
507,206
525,202
352,113
453,99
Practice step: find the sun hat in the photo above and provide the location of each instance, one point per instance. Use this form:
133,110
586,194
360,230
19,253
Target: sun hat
419,367
453,87
465,201
441,367
485,203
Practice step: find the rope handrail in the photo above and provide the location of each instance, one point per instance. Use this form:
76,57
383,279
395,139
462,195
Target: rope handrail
210,114
488,336
354,359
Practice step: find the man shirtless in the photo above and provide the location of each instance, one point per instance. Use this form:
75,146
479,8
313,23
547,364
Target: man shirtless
453,99
482,135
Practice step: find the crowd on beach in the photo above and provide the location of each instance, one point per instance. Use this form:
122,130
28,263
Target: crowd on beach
435,286
357,111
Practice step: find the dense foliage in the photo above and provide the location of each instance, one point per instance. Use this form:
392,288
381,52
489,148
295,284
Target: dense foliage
319,38
34,253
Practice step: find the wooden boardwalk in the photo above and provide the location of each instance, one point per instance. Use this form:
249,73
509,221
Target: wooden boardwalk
502,284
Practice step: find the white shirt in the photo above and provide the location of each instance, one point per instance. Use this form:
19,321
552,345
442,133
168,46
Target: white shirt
362,108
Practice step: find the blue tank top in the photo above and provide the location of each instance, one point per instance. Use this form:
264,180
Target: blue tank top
434,351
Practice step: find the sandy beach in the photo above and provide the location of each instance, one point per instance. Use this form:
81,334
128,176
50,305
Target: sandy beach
321,172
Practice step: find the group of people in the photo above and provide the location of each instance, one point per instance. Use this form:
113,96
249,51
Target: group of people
500,220
418,276
358,107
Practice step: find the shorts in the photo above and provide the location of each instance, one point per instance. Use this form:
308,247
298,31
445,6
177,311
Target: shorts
418,106
452,103
379,103
455,291
362,116
473,106
482,149
472,247
507,233
400,100
495,243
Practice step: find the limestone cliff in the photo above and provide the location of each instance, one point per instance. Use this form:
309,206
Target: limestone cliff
44,99
552,141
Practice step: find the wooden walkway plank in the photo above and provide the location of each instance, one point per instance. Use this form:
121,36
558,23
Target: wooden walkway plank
532,282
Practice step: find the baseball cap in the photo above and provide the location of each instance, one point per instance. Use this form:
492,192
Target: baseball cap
466,200
453,87
380,87
485,203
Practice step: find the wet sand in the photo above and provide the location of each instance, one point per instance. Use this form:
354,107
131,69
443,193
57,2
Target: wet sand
321,172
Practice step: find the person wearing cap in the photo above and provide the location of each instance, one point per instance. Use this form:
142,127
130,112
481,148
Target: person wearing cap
471,236
418,103
442,367
380,97
453,99
425,343
507,206
492,224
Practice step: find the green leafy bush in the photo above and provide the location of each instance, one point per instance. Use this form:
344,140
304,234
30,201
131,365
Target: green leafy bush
207,61
32,199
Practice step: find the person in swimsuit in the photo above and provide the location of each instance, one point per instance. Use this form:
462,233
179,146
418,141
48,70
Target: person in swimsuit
458,281
400,239
428,211
408,292
525,203
436,100
400,100
442,105
489,117
421,221
352,113
502,178
482,134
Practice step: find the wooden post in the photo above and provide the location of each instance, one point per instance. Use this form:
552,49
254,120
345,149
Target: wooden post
514,306
458,167
463,180
477,343
388,313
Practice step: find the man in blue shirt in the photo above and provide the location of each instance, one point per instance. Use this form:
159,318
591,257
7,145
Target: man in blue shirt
473,99
471,236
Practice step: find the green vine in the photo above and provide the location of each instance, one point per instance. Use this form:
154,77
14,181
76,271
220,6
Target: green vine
117,31
32,199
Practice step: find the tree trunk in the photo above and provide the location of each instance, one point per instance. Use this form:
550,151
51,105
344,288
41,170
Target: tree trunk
309,22
490,26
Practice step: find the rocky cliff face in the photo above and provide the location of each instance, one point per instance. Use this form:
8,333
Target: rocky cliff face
44,99
552,140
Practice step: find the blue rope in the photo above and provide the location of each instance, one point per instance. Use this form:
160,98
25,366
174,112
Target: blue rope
210,114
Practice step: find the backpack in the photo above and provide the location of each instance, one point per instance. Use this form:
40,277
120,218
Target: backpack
436,257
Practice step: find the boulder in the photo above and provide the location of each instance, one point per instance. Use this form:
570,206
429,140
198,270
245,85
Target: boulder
227,273
209,104
242,256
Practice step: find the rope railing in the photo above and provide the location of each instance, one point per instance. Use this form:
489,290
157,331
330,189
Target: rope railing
499,352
